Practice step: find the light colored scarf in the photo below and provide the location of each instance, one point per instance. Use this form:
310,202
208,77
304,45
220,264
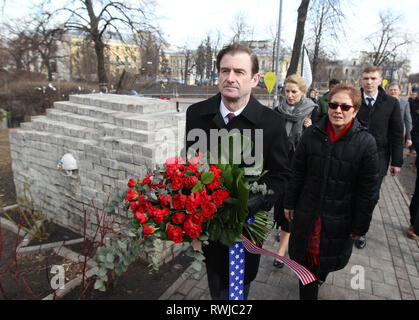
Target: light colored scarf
294,118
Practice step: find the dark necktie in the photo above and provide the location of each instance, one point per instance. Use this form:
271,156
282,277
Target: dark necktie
230,116
369,102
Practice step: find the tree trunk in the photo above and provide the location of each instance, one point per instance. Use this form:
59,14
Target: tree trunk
299,36
101,71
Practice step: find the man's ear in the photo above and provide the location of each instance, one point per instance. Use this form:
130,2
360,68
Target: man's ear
255,79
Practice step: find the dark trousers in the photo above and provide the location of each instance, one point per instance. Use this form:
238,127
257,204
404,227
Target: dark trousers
414,206
311,291
216,288
377,191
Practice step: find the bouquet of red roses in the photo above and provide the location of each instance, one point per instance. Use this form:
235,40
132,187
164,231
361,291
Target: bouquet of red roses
184,201
175,202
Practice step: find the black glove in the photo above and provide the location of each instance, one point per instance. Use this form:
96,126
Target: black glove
258,202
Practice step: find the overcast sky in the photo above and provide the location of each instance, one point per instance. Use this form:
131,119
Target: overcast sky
188,22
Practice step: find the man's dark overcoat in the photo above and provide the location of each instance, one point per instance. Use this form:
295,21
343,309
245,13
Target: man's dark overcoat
384,122
205,115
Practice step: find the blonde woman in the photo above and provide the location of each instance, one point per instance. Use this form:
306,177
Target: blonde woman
299,112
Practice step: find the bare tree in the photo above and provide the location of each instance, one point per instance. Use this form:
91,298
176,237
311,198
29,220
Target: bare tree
200,62
325,17
150,57
189,63
240,28
20,46
96,19
388,40
299,36
45,40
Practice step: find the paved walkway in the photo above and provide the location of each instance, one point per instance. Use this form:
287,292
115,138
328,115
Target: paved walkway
390,262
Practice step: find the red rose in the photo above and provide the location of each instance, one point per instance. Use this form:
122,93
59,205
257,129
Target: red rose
160,214
192,203
215,170
197,218
147,230
133,205
178,217
164,200
141,217
175,233
203,196
214,183
132,183
147,179
177,182
208,209
219,196
179,201
132,195
191,229
190,182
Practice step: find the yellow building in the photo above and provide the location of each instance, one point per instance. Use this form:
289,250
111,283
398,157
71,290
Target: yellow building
78,60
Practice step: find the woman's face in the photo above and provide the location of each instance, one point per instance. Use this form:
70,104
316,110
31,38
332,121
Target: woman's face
338,117
293,94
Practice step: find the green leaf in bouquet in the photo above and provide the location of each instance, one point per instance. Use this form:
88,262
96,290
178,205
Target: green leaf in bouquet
227,238
232,202
189,173
215,229
227,177
243,197
135,223
197,188
207,177
203,237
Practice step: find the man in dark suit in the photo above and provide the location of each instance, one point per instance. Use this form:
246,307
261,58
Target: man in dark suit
380,113
235,109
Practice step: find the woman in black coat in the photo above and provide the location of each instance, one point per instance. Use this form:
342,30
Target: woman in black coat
331,195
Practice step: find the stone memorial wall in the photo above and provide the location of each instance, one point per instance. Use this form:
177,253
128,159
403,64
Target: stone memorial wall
111,137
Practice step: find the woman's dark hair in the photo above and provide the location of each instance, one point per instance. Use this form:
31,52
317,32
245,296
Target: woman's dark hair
238,47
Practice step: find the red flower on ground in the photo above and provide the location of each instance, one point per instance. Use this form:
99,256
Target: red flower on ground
175,234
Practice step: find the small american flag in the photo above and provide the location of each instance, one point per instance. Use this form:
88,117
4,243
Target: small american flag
236,270
303,273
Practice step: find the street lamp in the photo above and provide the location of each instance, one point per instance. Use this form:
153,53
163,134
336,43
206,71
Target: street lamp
277,54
